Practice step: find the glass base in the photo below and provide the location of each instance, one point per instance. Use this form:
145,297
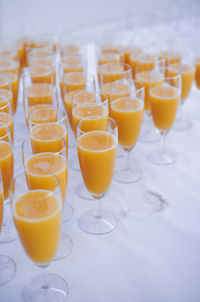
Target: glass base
98,222
158,157
82,192
64,247
57,290
67,212
8,232
182,125
128,175
7,269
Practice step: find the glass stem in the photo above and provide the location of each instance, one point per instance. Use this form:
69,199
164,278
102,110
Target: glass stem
127,160
99,208
163,141
45,276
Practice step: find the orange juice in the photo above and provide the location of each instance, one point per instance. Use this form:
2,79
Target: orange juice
15,87
112,72
149,79
133,60
70,50
45,138
42,114
197,73
98,111
67,100
164,105
170,57
7,118
39,94
145,62
6,165
40,167
72,64
6,92
128,113
187,75
73,81
1,210
7,65
41,74
97,153
115,90
37,217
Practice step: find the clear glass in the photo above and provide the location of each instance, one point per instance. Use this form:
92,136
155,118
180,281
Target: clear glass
60,169
164,99
5,84
14,81
44,212
112,72
37,74
40,96
97,153
149,69
127,111
7,265
6,111
8,232
7,65
186,67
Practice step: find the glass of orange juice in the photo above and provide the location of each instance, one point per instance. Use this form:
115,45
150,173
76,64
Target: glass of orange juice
36,74
8,266
150,71
9,65
128,113
164,100
37,216
40,96
186,67
97,153
5,84
112,72
14,79
6,114
7,170
40,166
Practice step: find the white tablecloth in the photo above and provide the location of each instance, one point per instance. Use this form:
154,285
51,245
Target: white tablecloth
155,258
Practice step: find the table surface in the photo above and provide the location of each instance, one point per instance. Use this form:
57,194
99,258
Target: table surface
154,257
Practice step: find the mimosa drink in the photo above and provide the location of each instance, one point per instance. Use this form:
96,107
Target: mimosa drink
37,216
6,165
197,73
164,104
15,86
98,111
38,94
149,79
112,72
97,153
46,138
40,167
7,118
74,81
128,113
41,74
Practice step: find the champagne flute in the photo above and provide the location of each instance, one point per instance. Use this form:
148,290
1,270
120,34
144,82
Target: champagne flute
128,113
7,265
150,71
186,67
40,166
7,170
37,216
164,100
97,153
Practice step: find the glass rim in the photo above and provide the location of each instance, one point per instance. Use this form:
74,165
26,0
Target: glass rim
58,110
68,74
130,86
92,118
103,66
7,134
27,143
178,76
12,63
53,192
